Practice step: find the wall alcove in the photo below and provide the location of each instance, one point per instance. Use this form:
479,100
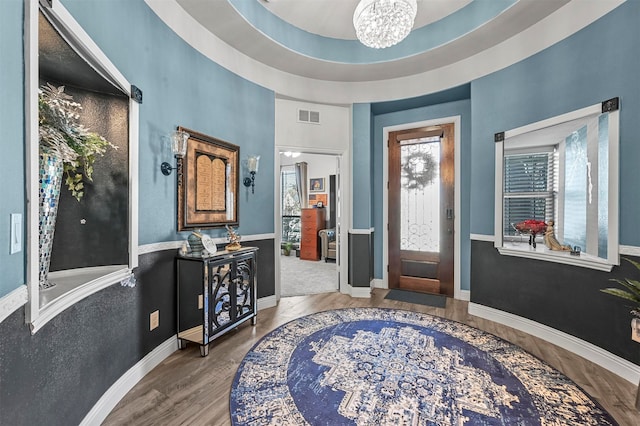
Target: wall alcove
94,231
95,241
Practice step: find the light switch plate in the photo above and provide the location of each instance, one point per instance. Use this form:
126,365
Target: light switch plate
16,233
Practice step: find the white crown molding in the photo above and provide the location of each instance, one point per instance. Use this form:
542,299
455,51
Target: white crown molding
9,303
564,22
617,365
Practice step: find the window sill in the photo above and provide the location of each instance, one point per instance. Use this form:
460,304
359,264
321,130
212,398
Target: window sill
74,285
541,252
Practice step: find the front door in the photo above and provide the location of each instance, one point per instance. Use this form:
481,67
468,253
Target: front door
421,197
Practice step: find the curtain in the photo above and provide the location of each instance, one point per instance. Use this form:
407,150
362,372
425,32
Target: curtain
301,183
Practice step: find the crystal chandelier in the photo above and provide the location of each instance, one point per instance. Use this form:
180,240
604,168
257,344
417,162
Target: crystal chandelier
383,23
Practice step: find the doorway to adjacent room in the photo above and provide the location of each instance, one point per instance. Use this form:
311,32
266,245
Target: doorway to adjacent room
309,197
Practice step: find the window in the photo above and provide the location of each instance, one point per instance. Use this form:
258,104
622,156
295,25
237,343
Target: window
530,188
289,205
560,170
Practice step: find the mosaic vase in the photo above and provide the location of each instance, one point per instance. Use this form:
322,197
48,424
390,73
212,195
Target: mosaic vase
51,167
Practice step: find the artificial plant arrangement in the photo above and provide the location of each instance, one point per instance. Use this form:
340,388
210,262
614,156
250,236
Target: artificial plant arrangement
633,287
61,134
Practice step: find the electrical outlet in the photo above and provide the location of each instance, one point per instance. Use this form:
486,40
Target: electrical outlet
635,329
154,320
200,302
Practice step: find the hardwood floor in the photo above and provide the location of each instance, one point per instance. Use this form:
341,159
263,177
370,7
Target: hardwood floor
187,389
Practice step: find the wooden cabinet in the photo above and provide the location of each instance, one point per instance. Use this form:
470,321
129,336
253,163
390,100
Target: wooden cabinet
311,222
215,295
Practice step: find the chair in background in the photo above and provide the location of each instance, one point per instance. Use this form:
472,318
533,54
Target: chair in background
328,243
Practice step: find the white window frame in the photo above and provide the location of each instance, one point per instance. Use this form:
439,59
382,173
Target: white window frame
542,253
89,280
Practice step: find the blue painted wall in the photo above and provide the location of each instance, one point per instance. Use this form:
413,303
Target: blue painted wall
12,125
362,167
450,109
182,87
597,63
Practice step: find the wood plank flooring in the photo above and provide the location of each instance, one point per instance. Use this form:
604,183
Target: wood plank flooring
187,389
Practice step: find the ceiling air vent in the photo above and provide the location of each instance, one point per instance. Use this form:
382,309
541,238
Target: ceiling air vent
306,116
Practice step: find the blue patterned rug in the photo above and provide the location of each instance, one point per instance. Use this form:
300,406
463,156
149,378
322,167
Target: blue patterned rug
370,366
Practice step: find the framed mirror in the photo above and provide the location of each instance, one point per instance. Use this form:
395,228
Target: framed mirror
557,188
207,183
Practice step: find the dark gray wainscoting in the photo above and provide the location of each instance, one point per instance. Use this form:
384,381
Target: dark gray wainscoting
360,259
566,298
56,376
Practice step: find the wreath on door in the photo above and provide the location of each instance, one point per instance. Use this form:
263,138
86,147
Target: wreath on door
419,170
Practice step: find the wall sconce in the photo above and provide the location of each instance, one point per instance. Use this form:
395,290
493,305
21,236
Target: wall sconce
252,168
179,148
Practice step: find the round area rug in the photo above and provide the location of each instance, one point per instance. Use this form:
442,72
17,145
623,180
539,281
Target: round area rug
371,366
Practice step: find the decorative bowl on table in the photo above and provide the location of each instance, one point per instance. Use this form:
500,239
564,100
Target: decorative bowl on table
531,227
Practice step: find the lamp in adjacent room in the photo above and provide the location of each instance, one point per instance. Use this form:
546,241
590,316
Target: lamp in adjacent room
252,168
384,23
179,140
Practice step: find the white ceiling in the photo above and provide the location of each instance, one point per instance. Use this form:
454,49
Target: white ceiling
333,18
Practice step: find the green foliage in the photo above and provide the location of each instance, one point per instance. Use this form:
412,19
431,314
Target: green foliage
286,248
633,290
419,170
61,134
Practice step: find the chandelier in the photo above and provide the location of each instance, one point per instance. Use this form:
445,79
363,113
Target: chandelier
383,23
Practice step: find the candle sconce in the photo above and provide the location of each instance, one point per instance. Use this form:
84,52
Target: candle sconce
179,140
252,168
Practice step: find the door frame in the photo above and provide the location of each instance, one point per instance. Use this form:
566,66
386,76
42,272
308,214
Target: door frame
457,293
343,221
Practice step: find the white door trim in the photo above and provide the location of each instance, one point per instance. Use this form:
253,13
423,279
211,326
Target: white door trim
385,196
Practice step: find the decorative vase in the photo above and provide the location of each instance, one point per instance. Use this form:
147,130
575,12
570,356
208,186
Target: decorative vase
51,167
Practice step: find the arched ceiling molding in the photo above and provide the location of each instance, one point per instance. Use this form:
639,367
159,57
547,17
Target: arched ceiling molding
323,14
567,20
454,26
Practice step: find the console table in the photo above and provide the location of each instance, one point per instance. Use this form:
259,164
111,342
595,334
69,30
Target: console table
215,294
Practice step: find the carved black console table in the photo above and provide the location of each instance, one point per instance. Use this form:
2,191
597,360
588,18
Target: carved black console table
215,294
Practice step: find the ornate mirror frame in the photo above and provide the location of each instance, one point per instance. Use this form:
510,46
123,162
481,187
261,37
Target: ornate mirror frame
208,183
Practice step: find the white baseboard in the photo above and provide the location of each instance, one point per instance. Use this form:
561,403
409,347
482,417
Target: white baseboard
11,302
267,302
619,366
378,283
124,384
463,295
360,292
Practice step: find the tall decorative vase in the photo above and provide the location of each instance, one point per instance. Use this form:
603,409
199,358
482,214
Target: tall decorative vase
51,167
